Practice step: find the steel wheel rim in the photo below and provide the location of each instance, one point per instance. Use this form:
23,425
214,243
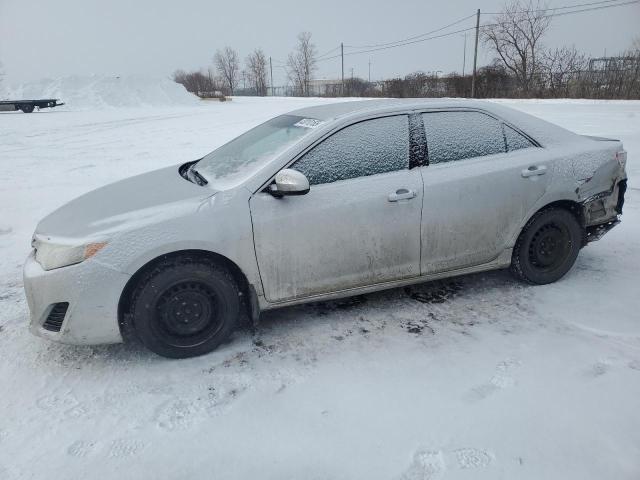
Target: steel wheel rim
188,313
550,247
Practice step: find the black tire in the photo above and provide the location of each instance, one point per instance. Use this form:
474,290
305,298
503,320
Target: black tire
26,108
185,307
548,246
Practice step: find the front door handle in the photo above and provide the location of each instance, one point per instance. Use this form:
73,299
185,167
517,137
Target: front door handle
401,194
534,170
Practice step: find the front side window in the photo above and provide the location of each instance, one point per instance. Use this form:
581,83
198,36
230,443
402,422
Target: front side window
237,160
458,135
367,148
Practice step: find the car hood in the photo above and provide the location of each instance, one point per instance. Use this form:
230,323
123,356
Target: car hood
143,199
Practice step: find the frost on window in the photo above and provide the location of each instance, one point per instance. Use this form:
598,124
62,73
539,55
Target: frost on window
459,135
237,160
515,141
366,148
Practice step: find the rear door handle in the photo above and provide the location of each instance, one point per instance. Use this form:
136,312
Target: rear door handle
401,194
534,170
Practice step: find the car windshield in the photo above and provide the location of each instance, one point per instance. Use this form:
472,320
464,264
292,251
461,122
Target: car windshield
235,161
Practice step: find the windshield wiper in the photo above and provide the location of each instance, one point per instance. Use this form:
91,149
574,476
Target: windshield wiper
194,176
198,176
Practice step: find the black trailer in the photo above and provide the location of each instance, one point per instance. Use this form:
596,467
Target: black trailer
27,106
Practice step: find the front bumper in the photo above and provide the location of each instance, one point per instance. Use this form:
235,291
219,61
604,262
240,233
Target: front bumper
92,291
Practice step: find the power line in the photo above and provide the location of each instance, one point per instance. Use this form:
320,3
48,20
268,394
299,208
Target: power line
554,8
319,57
592,8
561,14
413,37
482,26
405,43
328,52
329,58
418,39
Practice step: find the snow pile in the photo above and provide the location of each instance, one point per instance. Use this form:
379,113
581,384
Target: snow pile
100,91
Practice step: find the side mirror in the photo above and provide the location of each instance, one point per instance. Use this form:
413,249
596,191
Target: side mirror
289,182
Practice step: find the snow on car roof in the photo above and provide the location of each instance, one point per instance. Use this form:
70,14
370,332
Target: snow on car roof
543,132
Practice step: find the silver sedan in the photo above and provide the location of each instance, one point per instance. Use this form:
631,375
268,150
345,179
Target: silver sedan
320,203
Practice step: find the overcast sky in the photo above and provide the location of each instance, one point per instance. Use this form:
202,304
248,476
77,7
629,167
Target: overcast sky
47,38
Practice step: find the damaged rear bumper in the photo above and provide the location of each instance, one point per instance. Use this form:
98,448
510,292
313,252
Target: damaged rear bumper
602,211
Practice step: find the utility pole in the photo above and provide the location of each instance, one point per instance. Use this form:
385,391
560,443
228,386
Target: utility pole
271,68
475,56
464,54
342,55
369,70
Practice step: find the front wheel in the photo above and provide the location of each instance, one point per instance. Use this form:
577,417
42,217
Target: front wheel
185,307
547,247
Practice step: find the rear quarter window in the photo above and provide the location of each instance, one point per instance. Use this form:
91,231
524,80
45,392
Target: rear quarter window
515,140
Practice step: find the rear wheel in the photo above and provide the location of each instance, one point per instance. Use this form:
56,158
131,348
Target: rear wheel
26,108
185,307
547,247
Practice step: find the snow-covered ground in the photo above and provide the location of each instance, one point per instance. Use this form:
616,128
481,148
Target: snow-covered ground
485,378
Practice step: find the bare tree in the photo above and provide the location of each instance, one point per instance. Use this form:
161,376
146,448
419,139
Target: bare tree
515,36
560,66
257,71
198,83
302,63
187,80
228,66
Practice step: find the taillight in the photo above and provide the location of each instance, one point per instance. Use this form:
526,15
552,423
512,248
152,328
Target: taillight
621,157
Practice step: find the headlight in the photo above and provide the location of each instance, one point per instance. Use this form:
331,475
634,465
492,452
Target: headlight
55,255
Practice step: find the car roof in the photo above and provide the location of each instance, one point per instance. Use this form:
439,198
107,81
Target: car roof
543,132
335,110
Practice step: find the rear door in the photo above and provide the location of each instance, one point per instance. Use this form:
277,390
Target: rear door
482,180
358,225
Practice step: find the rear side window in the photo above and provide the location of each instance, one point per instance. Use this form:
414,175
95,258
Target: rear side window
367,148
515,140
458,135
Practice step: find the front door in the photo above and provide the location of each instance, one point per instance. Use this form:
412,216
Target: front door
358,225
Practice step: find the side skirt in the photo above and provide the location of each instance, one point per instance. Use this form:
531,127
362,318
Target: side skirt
503,261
